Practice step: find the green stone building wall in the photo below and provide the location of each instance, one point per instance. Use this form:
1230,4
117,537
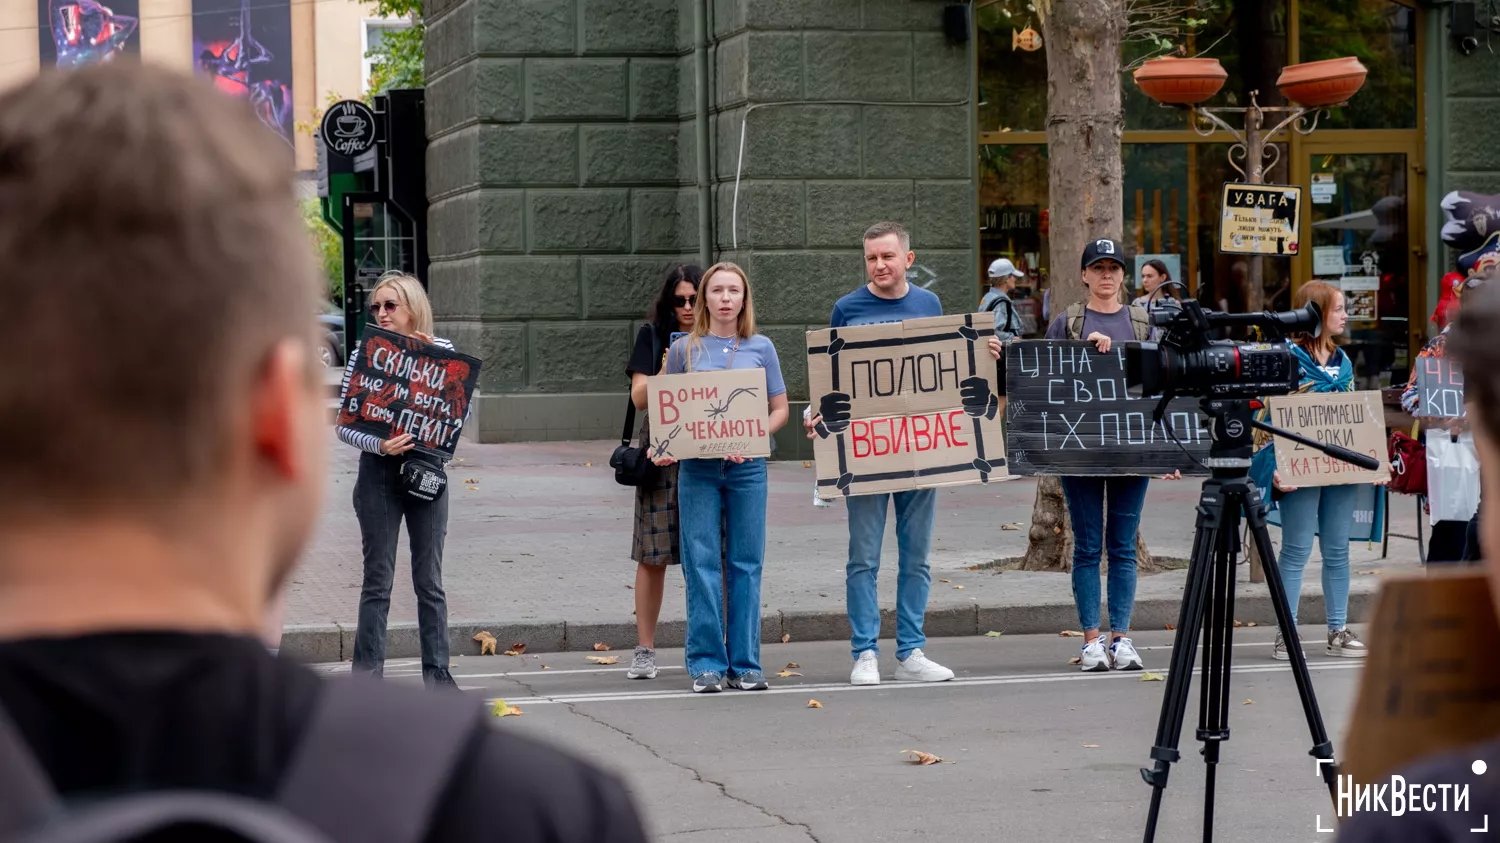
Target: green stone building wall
563,172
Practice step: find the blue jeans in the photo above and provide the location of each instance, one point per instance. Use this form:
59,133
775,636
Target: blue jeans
914,514
709,490
1092,533
1329,512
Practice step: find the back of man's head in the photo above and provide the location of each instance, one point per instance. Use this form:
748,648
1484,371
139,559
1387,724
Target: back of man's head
1472,346
151,265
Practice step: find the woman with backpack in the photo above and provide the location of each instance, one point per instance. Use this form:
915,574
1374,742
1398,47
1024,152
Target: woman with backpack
398,304
1324,511
655,546
730,491
1103,321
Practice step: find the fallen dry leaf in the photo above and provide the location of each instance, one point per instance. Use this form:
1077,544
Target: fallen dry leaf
1248,702
1010,526
629,586
945,580
544,667
972,568
921,758
814,704
792,665
785,673
993,634
1171,627
1252,623
1090,746
604,659
503,709
473,488
1237,624
602,647
486,643
588,465
1148,676
785,637
1070,633
518,648
1375,571
958,588
471,480
807,464
1075,660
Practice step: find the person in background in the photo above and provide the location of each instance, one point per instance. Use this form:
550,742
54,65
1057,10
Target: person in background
1105,511
1154,273
724,499
146,530
888,297
1324,511
397,304
654,546
1003,275
1472,345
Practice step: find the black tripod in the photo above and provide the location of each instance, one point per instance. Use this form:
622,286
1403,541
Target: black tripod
1208,607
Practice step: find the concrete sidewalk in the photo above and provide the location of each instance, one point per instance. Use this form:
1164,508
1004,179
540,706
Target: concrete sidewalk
538,551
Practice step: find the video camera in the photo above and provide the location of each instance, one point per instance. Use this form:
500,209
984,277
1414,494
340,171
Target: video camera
1187,362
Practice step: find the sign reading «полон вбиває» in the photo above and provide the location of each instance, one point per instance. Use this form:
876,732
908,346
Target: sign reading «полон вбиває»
1440,389
1068,413
1352,420
703,415
905,405
403,385
1260,219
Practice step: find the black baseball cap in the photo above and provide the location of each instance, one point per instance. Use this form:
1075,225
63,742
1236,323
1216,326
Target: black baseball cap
1102,249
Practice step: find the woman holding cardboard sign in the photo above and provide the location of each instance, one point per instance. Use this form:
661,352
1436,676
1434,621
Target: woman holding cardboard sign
1324,511
732,488
398,304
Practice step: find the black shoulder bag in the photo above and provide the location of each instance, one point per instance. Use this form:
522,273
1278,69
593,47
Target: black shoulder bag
632,465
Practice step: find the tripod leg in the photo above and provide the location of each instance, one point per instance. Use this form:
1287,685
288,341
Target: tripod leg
1218,633
1322,747
1184,649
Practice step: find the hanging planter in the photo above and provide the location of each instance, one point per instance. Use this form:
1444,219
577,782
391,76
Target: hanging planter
1316,84
1180,81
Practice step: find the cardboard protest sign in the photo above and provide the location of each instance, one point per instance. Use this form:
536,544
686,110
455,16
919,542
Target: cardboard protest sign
1068,414
403,385
1353,420
704,415
905,405
1420,693
1440,389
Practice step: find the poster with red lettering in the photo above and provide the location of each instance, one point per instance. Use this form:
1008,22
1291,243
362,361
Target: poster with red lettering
709,415
906,405
1353,420
401,385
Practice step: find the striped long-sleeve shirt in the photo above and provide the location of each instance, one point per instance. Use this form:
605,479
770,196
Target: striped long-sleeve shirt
358,438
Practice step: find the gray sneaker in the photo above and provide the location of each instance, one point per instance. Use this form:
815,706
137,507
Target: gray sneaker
1278,650
708,683
642,664
1346,644
752,680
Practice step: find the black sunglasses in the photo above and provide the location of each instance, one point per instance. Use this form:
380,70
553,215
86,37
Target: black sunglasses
684,301
387,306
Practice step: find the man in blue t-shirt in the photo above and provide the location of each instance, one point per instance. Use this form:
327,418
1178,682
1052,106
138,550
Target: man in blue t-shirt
888,297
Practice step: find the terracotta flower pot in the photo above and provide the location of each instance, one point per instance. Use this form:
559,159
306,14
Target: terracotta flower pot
1180,81
1315,84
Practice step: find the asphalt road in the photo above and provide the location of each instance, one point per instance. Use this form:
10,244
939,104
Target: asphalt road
1039,751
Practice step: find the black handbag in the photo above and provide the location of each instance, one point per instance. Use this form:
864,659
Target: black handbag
632,464
423,479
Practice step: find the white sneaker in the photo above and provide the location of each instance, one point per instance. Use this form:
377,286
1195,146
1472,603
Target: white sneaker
1122,655
866,669
1094,657
919,668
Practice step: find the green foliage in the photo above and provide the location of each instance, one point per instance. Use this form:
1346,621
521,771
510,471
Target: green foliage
329,248
398,58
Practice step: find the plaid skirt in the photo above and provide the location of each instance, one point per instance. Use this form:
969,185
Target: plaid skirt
655,540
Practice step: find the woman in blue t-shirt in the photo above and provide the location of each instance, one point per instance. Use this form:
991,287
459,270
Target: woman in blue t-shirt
732,488
1323,511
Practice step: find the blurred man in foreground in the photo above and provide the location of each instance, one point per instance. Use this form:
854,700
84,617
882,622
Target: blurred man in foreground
165,425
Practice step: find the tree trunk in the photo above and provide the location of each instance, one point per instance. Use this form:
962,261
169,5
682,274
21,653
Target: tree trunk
1085,198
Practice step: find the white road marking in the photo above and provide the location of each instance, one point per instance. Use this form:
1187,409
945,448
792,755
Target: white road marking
838,687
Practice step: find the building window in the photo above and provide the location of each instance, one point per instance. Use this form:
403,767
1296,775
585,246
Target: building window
375,30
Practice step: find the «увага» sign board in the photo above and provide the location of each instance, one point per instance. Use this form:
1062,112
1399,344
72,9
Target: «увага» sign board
1068,414
403,385
704,415
905,405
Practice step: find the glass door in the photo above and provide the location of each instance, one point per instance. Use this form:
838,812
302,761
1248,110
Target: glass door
1358,235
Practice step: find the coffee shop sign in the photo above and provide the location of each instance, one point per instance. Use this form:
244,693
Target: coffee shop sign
349,128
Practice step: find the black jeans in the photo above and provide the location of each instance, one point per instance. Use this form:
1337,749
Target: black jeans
380,505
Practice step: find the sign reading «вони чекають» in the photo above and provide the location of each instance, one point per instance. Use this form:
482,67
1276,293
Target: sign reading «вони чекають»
703,415
403,385
1068,414
905,405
